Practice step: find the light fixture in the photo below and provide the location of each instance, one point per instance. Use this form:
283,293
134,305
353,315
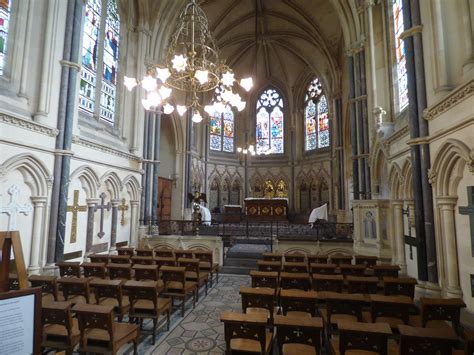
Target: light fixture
192,65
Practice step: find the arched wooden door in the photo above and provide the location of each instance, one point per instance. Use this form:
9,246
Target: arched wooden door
165,188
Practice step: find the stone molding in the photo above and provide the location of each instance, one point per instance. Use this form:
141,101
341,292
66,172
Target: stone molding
397,135
29,125
97,146
454,98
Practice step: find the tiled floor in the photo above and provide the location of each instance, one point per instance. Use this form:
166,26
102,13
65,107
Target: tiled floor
200,331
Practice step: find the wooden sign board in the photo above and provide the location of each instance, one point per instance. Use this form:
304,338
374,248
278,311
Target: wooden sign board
11,241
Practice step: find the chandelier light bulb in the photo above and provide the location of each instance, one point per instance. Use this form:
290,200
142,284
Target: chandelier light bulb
247,83
154,98
227,96
219,107
196,117
228,78
146,104
163,74
251,148
181,109
202,76
252,152
239,149
149,83
179,63
209,109
130,83
168,109
241,106
245,151
165,92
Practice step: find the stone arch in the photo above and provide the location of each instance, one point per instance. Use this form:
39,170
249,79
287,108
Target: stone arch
133,187
395,182
89,180
113,184
297,250
448,166
34,172
377,163
407,180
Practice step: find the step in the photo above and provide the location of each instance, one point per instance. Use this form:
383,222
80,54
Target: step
252,263
243,255
235,270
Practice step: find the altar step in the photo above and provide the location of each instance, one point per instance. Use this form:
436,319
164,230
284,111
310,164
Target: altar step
241,258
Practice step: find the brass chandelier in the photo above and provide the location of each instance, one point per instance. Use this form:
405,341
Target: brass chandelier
192,66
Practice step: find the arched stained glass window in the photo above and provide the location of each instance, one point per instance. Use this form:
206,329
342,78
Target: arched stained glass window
100,46
401,78
4,26
316,117
222,131
270,123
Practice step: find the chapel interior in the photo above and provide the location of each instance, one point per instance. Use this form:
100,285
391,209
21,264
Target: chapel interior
237,176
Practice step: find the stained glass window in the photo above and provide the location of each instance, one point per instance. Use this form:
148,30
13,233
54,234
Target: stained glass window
401,65
101,26
316,117
270,123
4,24
222,131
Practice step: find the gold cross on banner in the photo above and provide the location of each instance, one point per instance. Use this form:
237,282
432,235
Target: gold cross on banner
75,208
123,207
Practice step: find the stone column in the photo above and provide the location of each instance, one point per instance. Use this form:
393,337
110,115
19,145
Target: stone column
133,223
38,218
448,228
91,203
113,230
399,235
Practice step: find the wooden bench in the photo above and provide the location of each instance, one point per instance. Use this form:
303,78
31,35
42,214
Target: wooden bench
297,335
426,341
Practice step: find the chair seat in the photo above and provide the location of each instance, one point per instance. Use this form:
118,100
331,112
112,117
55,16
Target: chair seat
250,345
163,303
335,350
53,332
176,285
391,321
298,314
121,331
336,317
80,299
110,301
415,320
298,349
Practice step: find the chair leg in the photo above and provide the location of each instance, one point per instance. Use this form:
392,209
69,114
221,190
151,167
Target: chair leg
155,322
206,288
168,320
195,298
211,273
217,276
182,306
135,347
197,291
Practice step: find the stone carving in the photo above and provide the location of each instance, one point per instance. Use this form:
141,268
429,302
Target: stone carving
30,125
13,208
451,100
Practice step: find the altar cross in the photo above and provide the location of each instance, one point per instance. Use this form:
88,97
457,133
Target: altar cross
469,211
75,209
102,207
14,208
123,208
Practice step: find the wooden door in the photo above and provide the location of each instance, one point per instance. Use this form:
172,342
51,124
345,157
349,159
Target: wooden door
165,188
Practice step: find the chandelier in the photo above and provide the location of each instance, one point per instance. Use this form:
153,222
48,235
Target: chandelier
192,65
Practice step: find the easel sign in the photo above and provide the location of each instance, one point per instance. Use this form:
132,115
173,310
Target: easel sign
20,322
8,241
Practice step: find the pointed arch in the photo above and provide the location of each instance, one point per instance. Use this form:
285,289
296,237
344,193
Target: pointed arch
132,185
89,180
113,183
407,179
270,121
395,182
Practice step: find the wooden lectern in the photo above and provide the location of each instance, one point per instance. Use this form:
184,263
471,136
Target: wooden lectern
8,241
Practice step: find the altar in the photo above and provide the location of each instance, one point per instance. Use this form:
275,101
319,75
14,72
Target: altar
266,209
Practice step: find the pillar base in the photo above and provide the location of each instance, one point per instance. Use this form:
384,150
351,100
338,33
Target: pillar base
49,269
403,268
453,292
427,289
34,270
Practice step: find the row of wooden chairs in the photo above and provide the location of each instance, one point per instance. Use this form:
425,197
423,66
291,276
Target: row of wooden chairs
338,259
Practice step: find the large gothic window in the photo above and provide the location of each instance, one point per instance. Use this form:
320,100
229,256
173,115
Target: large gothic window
270,123
4,25
100,46
316,117
222,131
401,79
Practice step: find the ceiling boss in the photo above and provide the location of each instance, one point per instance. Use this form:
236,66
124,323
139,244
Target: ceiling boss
192,66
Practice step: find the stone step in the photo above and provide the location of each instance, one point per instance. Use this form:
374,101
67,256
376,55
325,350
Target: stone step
251,263
235,270
244,255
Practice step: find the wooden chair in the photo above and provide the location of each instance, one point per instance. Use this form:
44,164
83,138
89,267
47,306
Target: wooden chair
258,300
194,274
383,270
100,334
109,293
264,279
99,258
340,259
298,335
146,272
126,251
69,268
295,258
468,344
145,252
328,269
366,260
246,333
119,271
274,266
75,289
426,341
49,287
119,259
94,270
207,263
403,286
353,270
317,259
176,286
393,310
362,284
143,260
364,337
333,283
162,261
60,329
164,253
183,253
297,303
272,257
439,312
297,281
295,266
145,303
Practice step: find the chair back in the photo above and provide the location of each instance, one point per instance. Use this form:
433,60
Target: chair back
399,286
99,258
69,269
97,270
293,280
354,270
58,313
268,265
327,269
119,271
264,279
272,257
119,259
173,274
366,260
162,261
146,272
426,341
344,304
360,284
295,258
299,331
190,264
142,290
145,252
75,286
298,301
164,253
340,259
95,317
295,266
47,283
363,336
186,254
383,270
126,251
143,260
317,259
108,289
244,326
258,298
204,255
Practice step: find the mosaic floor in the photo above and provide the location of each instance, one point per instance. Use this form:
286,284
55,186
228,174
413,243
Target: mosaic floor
200,331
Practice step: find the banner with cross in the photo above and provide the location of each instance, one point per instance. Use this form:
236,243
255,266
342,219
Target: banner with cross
75,209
